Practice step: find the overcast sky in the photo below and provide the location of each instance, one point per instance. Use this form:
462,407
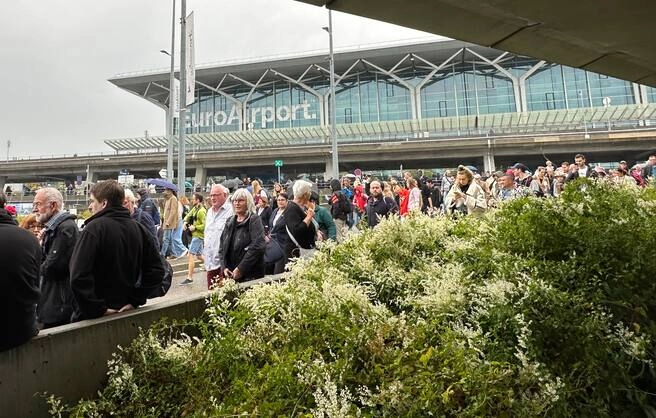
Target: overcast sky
58,54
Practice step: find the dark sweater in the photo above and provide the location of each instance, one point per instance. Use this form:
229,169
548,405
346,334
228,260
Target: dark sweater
303,234
20,257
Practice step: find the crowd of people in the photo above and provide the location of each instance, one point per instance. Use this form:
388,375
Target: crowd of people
57,273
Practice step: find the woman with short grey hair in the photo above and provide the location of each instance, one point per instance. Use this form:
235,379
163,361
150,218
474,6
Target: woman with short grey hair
242,241
303,190
245,194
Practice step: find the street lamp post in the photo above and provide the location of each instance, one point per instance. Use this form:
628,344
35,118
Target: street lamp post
183,97
170,119
333,135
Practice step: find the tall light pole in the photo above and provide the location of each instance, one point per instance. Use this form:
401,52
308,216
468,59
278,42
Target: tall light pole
8,145
333,116
171,117
183,97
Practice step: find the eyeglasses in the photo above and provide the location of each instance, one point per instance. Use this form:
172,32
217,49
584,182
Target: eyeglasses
216,195
239,201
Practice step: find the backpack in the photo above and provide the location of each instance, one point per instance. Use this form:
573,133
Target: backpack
166,281
164,287
343,209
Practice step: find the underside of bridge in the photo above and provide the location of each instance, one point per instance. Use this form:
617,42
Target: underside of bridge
607,37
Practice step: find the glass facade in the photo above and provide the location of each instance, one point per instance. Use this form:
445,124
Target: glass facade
559,87
462,88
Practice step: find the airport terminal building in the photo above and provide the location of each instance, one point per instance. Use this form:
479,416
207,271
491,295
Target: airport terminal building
428,104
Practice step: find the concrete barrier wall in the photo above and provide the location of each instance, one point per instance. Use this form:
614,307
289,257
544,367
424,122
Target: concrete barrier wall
71,361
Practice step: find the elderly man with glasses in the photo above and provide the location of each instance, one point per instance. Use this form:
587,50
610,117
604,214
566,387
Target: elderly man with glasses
58,238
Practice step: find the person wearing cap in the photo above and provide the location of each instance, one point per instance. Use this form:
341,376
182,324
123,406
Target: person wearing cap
148,205
624,165
466,196
522,178
580,169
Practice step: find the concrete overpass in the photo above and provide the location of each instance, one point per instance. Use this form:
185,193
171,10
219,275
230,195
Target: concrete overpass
607,37
486,151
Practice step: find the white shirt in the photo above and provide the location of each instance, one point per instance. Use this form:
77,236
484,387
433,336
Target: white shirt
214,223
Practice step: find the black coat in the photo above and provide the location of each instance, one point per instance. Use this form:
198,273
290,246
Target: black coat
20,258
242,246
56,303
264,217
110,254
278,231
304,234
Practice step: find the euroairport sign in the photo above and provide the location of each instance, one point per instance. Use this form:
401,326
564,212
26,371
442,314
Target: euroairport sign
255,115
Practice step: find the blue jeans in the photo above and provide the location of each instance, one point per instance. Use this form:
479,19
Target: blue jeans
173,238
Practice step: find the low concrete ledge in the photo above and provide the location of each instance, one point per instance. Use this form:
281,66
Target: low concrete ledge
71,361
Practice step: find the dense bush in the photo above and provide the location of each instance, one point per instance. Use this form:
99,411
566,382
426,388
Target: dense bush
542,308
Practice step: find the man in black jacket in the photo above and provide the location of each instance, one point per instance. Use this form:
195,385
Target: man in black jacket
379,206
58,238
111,255
20,255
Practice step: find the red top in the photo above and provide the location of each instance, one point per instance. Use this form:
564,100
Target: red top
403,201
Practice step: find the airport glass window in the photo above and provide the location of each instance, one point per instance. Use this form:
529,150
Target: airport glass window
261,108
545,89
348,117
576,87
651,94
368,98
493,90
393,99
348,98
305,106
440,89
619,91
282,105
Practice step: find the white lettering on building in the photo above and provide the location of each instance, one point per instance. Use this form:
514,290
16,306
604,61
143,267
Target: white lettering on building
255,115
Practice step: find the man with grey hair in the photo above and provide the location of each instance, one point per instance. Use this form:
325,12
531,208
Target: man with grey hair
129,203
58,238
215,220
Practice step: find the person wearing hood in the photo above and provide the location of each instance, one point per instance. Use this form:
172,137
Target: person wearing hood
58,238
20,255
112,254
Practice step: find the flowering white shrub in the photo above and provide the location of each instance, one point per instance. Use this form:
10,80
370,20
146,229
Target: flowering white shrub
544,307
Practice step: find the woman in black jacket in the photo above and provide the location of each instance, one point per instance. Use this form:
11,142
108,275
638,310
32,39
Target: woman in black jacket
278,231
242,242
299,215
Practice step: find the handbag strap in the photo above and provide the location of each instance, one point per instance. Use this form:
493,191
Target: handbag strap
292,236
